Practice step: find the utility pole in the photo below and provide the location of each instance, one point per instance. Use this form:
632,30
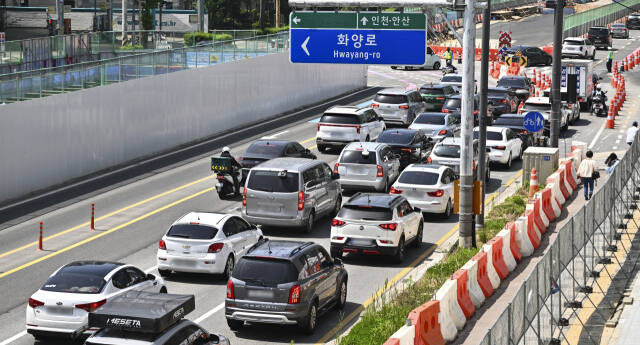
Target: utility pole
277,13
200,21
124,21
466,151
555,73
484,91
60,9
261,23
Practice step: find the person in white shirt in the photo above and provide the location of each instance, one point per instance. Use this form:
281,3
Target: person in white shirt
631,132
585,172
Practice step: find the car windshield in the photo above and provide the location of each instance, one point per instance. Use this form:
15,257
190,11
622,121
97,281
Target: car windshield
365,212
537,106
452,151
266,270
264,148
430,119
453,103
390,99
356,157
435,91
426,178
508,121
573,43
192,231
395,137
452,79
340,119
490,135
74,283
511,82
273,181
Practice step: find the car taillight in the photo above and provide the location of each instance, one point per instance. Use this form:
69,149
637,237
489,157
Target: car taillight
389,226
442,132
244,197
473,166
407,150
162,245
35,303
503,101
403,106
429,160
335,168
475,112
337,222
220,177
445,110
358,129
230,290
380,171
375,105
319,126
91,306
525,132
216,247
395,191
294,294
440,98
300,201
500,147
437,193
570,106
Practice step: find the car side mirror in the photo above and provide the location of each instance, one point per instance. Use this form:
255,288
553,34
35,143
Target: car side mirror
337,262
456,177
307,152
151,277
335,176
396,156
488,150
417,210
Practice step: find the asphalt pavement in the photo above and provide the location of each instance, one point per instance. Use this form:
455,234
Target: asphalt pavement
134,214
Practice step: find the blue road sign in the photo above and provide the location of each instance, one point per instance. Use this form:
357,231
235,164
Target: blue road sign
533,121
354,46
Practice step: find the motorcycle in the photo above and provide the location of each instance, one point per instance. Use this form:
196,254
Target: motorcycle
449,70
598,104
222,167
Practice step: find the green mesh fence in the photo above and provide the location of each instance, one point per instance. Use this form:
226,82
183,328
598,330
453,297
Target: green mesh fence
579,23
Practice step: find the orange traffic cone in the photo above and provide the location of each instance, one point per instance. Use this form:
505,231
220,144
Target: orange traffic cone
533,80
533,183
610,123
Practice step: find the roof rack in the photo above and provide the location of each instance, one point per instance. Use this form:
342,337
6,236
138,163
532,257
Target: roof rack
257,244
299,248
142,312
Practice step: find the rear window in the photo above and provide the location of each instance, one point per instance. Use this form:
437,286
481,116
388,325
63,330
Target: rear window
573,43
192,231
419,177
394,137
432,91
365,213
508,121
356,157
430,119
273,181
598,31
490,135
263,148
340,119
390,99
451,151
537,106
497,93
452,79
508,82
453,103
265,270
74,283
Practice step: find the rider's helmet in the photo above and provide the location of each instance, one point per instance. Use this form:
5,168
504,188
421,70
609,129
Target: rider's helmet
225,149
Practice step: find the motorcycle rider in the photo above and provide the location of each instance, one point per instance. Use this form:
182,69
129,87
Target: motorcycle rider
598,93
235,167
448,56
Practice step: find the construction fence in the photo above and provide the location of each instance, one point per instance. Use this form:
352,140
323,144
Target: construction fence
578,24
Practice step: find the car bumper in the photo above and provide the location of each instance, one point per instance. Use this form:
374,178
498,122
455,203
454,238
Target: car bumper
499,157
573,54
620,35
297,221
296,313
334,143
377,185
402,120
501,109
56,328
434,206
211,263
366,250
434,106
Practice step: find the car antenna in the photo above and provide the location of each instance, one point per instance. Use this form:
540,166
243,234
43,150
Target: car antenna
269,246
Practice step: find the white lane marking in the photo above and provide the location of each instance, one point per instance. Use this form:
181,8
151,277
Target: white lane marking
148,270
618,141
593,142
207,314
614,148
275,135
619,136
14,338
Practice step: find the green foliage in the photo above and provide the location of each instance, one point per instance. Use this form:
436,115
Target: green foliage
132,47
190,39
380,320
270,31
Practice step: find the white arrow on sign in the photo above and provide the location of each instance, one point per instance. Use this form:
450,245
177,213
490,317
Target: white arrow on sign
304,45
296,20
364,20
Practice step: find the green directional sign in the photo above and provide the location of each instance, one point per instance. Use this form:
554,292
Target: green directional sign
355,20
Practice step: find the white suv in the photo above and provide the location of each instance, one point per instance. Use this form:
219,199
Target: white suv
578,47
427,186
341,125
376,224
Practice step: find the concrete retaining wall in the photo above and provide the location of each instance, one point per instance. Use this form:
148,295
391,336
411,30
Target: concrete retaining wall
49,141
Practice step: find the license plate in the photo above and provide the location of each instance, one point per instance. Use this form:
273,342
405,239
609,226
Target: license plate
358,171
260,294
60,310
361,242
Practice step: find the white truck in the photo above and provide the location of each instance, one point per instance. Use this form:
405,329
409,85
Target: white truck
583,69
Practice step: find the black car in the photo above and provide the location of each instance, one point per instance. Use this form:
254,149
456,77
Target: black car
410,144
516,123
263,150
454,106
521,85
435,95
285,282
600,36
503,100
633,21
535,56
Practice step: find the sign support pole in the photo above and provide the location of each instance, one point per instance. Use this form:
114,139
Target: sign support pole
555,74
484,90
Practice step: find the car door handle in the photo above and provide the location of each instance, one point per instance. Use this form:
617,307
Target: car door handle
155,283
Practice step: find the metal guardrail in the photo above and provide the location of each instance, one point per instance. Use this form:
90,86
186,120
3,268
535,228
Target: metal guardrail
49,81
579,23
566,278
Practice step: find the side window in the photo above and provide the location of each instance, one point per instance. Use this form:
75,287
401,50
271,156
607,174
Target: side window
445,177
327,171
588,42
362,118
404,209
416,97
313,262
121,279
383,154
320,176
241,224
325,259
190,335
429,51
291,150
310,177
298,147
230,227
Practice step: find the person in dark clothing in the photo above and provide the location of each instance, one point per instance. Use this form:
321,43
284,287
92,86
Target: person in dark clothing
235,167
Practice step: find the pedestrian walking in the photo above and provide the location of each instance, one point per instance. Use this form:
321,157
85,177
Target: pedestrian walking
631,132
609,61
588,174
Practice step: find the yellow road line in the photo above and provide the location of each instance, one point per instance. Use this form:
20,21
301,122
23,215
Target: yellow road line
308,140
85,224
402,273
97,236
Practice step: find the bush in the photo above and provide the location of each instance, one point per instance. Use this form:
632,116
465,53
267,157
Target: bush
130,47
191,38
271,31
224,37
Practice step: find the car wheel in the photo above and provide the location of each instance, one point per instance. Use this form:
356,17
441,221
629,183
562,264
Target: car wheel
342,295
436,65
386,186
228,268
509,162
593,56
521,152
235,325
549,61
163,289
487,176
164,273
367,138
308,227
399,256
336,207
417,242
394,67
336,253
322,148
448,210
310,321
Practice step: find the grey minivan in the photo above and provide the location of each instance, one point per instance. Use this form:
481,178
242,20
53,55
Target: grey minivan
398,106
290,192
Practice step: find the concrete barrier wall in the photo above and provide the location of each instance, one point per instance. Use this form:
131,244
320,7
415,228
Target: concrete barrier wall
48,141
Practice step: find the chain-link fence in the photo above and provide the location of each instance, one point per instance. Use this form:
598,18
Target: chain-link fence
581,278
578,24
